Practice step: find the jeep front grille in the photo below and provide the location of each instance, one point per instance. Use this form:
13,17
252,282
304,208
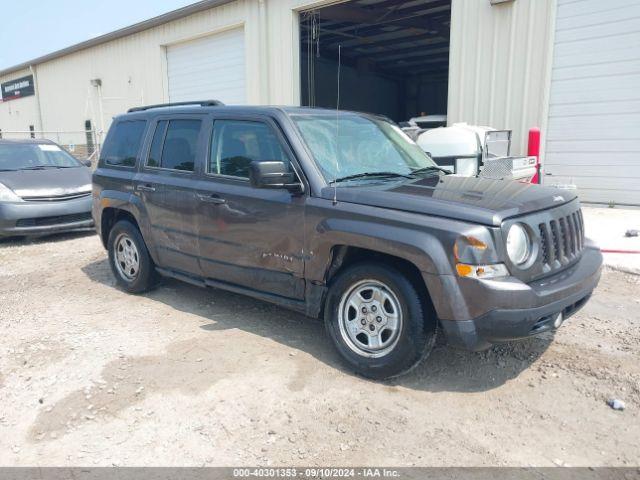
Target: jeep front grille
561,239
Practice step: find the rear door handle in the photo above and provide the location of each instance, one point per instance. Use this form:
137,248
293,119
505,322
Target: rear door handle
146,188
215,199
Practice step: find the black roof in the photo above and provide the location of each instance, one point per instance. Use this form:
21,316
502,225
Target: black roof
200,103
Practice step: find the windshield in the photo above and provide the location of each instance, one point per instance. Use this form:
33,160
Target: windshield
351,144
28,156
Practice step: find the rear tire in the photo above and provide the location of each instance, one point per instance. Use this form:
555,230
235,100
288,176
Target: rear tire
377,321
129,259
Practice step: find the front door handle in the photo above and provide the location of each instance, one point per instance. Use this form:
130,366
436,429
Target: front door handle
215,199
146,188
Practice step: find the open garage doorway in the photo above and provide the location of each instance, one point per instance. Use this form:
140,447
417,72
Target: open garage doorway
394,56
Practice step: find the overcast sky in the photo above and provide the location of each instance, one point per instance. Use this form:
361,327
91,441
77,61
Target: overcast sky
33,28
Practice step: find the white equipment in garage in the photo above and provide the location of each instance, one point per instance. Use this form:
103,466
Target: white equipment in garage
416,125
471,150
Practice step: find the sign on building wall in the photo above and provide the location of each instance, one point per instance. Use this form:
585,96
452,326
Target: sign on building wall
18,88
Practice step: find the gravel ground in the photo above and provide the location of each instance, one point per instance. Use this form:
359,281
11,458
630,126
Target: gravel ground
184,376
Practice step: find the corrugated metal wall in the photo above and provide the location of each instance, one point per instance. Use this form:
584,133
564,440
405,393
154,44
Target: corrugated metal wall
498,61
133,69
499,64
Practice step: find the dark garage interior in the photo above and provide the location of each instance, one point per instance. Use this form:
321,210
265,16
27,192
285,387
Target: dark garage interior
394,56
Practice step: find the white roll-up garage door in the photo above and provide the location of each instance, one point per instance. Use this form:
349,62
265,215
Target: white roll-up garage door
208,68
593,134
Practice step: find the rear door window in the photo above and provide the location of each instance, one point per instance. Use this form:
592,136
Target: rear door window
174,145
123,143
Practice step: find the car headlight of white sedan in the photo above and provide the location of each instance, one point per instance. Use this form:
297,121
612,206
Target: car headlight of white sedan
8,195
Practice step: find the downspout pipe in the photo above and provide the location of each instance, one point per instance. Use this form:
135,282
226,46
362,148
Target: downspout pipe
263,52
37,87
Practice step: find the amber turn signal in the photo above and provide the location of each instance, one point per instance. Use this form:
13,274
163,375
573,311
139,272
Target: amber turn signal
482,271
475,243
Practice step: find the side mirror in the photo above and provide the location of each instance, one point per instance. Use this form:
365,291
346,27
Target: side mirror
86,162
273,174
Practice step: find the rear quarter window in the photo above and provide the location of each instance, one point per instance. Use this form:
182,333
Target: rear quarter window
123,143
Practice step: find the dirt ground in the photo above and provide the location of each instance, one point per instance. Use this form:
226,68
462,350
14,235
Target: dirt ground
184,376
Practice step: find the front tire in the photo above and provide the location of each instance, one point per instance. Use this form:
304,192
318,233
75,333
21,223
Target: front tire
129,258
377,321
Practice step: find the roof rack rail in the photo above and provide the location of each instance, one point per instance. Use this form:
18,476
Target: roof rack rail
202,103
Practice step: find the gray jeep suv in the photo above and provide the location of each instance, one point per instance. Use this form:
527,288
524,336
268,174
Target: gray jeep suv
338,215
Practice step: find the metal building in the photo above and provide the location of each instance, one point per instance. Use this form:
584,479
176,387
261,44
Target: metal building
571,67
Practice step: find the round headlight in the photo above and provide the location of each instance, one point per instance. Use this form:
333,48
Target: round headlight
518,244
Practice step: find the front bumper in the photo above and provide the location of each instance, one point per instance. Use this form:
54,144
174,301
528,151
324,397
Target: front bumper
43,218
508,309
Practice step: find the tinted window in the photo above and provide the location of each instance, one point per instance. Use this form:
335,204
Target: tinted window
180,142
156,145
123,143
237,143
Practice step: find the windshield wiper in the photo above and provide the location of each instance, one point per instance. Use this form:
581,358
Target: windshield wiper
370,174
431,168
39,167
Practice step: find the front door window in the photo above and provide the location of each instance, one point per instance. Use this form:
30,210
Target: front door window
237,143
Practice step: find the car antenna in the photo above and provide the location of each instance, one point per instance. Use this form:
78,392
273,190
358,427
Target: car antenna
335,183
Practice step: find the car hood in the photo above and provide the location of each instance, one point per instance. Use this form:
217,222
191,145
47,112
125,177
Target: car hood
477,200
51,182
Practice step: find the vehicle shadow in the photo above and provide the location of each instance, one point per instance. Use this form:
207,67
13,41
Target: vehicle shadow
20,241
446,369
